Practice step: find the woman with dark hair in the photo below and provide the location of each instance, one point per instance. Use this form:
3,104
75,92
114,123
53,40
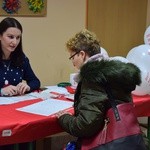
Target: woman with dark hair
16,74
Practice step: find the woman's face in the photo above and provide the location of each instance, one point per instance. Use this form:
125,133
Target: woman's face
78,58
10,40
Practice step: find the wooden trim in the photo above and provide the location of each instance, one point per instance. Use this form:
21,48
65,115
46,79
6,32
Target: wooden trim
86,19
148,14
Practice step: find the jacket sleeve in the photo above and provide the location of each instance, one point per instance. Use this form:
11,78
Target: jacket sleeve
89,117
29,76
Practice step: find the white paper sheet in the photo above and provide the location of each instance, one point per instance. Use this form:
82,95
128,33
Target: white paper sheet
60,90
14,99
47,107
70,97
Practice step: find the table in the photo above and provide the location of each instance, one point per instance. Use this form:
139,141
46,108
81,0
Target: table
142,105
142,109
17,126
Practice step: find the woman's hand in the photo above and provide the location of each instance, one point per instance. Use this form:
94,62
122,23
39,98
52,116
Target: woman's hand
9,90
22,87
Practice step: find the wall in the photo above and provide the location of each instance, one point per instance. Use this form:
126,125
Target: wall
44,39
120,25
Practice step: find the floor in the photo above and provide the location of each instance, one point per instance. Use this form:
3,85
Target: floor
56,142
143,122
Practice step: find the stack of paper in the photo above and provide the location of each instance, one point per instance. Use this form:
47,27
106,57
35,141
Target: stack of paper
47,107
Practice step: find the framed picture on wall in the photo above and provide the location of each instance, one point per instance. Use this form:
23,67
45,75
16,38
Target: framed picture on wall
23,8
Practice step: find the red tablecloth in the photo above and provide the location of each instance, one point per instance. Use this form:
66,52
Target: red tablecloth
17,126
142,105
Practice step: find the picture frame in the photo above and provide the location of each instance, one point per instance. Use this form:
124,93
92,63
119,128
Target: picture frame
24,10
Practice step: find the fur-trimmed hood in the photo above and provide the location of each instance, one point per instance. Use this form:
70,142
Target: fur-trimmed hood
118,74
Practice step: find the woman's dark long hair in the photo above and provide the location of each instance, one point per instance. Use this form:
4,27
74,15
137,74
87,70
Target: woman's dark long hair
17,55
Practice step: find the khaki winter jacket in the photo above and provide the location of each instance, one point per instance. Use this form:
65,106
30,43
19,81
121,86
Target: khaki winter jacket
91,102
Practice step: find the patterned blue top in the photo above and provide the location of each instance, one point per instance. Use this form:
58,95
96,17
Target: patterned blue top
11,75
